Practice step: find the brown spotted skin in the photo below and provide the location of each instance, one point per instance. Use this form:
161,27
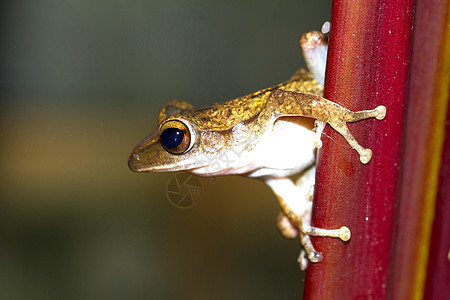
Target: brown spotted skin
223,116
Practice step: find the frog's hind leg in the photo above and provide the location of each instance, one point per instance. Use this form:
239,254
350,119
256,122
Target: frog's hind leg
339,124
295,219
313,255
289,231
306,230
314,46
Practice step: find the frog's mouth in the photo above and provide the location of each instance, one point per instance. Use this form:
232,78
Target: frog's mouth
136,161
150,156
139,163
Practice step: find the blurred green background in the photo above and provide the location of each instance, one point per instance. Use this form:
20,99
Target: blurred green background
81,84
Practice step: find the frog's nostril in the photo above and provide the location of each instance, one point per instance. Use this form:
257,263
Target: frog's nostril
133,162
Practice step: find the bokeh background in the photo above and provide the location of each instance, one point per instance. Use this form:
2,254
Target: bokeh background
81,83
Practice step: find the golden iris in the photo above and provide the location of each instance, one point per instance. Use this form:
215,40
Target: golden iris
175,137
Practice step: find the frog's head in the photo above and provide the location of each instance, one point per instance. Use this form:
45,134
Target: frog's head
177,145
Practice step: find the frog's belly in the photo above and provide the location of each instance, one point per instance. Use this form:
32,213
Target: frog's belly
288,150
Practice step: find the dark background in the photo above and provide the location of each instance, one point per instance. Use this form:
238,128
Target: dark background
81,84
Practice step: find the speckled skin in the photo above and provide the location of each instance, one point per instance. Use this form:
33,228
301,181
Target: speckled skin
223,116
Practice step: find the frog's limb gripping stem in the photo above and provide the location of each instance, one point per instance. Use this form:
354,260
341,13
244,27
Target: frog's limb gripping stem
295,219
312,254
364,154
291,103
342,233
340,126
307,230
308,252
291,232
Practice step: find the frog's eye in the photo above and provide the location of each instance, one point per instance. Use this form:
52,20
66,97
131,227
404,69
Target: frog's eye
175,137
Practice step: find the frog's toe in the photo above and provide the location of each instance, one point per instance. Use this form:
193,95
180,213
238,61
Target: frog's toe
315,256
302,260
365,156
381,112
317,143
344,233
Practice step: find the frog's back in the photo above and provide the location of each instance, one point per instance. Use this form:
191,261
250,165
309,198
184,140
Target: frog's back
223,116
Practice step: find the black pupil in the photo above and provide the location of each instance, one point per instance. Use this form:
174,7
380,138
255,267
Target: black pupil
171,137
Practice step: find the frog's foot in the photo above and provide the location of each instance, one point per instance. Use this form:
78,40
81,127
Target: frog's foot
285,227
381,112
295,219
318,129
342,233
313,255
292,103
306,230
302,260
339,124
309,252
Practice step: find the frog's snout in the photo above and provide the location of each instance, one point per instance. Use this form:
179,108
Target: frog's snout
134,162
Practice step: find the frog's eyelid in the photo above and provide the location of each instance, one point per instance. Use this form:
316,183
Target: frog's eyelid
172,108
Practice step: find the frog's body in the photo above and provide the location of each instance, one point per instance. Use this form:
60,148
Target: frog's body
269,135
225,128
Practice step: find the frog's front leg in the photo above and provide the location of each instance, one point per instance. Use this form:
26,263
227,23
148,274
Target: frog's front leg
296,205
291,103
314,46
290,232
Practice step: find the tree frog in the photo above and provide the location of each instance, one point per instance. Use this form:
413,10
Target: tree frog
271,135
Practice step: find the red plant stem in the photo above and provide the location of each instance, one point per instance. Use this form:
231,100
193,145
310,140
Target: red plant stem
424,138
367,66
438,273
